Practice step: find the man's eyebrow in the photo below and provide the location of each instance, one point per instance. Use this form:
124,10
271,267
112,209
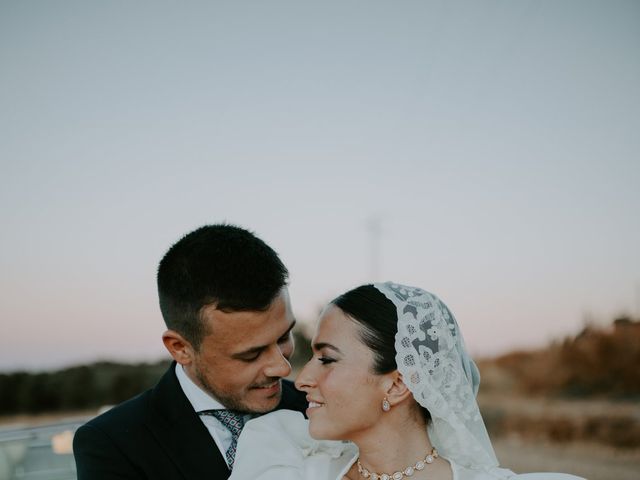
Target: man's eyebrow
321,345
260,348
293,324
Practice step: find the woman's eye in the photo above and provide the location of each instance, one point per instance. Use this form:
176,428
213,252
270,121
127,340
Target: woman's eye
326,360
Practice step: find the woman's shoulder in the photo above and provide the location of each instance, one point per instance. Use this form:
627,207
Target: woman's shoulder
496,473
278,446
547,476
286,423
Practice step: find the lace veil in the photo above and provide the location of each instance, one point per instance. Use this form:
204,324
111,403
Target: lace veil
436,367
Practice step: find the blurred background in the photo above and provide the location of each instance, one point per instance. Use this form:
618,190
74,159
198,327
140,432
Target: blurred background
486,151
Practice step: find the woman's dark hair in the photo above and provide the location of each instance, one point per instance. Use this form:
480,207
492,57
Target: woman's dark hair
221,264
368,307
378,317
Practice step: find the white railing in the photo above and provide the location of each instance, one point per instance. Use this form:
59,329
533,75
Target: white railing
38,453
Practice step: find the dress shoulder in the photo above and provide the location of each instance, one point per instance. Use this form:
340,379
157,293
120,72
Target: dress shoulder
547,476
497,473
493,473
277,446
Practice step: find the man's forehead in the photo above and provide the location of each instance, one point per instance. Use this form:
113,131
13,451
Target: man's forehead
248,324
280,300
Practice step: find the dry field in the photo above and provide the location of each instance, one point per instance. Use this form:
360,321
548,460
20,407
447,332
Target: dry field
554,410
591,461
596,439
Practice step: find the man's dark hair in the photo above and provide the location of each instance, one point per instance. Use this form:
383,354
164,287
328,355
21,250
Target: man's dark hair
216,264
377,315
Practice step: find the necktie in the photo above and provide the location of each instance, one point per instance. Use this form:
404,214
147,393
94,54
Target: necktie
233,421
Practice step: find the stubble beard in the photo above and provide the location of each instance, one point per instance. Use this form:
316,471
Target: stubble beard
230,401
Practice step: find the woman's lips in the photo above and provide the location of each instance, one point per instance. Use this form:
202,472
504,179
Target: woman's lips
313,405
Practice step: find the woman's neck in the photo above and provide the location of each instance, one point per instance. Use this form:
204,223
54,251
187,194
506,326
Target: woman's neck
393,446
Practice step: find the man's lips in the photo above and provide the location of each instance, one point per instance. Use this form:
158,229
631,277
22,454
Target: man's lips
268,386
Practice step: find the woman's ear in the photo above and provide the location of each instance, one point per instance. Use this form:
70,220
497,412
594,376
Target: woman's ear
179,348
397,391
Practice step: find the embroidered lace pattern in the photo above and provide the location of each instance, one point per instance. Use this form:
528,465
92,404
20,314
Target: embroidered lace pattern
436,367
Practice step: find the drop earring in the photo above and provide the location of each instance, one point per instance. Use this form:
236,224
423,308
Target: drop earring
386,406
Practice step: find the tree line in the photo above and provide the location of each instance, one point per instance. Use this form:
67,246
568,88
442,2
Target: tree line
75,388
92,386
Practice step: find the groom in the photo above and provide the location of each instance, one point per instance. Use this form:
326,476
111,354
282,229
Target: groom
224,300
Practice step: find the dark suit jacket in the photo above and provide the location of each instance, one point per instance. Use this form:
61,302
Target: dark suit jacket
156,435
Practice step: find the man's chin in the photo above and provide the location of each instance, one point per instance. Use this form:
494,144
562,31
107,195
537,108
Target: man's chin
259,399
265,399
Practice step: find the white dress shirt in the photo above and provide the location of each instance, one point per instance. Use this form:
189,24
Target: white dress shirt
201,400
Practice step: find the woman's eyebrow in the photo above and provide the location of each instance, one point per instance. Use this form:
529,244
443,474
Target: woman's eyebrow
321,345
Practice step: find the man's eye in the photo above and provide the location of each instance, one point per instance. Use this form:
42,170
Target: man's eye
285,339
251,358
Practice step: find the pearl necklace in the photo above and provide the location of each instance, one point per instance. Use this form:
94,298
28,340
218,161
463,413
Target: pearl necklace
419,465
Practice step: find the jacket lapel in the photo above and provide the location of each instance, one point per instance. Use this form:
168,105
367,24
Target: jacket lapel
178,428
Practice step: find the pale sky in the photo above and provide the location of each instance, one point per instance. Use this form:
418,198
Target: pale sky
496,143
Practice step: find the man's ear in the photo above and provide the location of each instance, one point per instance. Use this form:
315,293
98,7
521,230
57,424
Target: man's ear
179,348
397,391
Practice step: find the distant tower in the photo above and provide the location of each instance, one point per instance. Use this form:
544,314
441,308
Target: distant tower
374,229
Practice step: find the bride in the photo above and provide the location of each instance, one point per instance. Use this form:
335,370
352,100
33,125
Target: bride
391,392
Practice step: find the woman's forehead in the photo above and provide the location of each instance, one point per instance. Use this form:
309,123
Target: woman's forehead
337,328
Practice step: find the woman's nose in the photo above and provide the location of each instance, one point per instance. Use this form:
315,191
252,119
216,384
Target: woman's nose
304,380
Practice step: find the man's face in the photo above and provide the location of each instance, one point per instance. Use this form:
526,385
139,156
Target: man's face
245,355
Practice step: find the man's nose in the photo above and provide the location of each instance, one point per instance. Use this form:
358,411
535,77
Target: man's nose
278,366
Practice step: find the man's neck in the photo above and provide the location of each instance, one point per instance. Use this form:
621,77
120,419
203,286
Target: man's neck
198,397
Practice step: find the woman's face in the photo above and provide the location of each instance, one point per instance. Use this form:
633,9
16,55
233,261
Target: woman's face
344,395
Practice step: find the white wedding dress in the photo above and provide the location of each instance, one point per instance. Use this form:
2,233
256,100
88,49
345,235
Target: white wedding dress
277,446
